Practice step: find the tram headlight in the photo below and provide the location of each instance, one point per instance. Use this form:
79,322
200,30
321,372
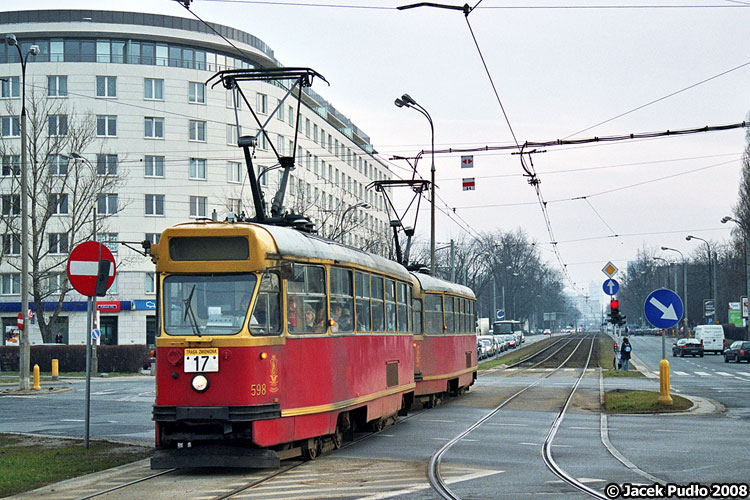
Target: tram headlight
200,382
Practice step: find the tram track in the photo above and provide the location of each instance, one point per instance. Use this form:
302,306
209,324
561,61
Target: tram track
437,482
257,480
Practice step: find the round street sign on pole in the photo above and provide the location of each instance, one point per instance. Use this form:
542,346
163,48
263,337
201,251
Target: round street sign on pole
83,267
663,308
20,321
499,315
611,286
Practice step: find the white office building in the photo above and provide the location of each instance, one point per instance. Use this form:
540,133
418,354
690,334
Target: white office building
124,94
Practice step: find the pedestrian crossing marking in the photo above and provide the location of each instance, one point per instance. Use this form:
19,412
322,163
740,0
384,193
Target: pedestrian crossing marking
680,373
704,374
363,479
724,374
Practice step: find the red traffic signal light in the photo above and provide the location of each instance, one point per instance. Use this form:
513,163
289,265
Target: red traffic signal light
614,304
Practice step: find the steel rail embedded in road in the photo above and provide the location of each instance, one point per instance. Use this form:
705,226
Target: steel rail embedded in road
547,448
433,469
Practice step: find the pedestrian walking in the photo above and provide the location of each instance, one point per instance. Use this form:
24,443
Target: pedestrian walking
59,338
625,351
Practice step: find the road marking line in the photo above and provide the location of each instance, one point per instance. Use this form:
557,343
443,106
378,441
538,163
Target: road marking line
414,489
439,421
680,373
507,425
724,374
704,374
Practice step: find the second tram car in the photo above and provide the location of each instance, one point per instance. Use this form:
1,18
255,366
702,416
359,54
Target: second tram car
274,342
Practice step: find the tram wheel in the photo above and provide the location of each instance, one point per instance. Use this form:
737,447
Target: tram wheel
311,449
338,438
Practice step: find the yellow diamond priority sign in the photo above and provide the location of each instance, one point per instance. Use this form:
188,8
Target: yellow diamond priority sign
610,269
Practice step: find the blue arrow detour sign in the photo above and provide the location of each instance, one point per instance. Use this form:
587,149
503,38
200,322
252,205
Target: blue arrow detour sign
663,308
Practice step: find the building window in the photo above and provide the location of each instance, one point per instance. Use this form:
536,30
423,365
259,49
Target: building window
11,244
57,283
11,165
290,116
11,204
106,86
315,133
57,125
10,126
57,86
232,135
307,127
58,204
234,171
106,204
198,206
11,283
234,205
198,168
110,241
197,92
10,87
197,130
58,164
262,106
154,204
150,285
106,164
153,238
153,88
58,243
279,110
153,127
106,126
154,166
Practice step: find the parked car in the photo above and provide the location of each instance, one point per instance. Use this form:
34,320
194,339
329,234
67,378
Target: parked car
547,331
489,346
691,347
738,351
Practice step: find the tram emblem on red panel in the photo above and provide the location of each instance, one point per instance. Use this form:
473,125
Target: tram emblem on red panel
274,383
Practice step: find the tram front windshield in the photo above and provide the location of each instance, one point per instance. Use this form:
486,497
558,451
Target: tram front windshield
207,304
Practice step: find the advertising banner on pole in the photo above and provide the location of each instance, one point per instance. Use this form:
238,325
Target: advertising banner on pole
735,315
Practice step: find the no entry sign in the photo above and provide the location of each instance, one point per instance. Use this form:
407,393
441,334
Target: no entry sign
83,267
20,321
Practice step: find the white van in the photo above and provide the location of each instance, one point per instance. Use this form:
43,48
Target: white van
712,337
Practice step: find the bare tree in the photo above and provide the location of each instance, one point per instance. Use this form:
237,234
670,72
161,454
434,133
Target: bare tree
63,192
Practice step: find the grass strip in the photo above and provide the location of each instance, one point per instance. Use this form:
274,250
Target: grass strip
29,462
510,357
626,401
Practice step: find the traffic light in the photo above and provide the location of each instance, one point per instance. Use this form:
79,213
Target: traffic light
614,312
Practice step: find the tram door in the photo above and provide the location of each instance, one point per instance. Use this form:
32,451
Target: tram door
109,330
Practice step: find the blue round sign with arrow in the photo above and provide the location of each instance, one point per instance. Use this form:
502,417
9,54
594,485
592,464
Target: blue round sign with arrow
663,308
611,286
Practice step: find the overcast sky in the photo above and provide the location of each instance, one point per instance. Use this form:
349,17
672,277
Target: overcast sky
557,71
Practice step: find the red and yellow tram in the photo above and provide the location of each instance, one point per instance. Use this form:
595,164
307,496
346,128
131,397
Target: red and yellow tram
274,342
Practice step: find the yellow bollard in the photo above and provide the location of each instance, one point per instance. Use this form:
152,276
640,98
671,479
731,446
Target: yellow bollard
55,369
664,397
36,386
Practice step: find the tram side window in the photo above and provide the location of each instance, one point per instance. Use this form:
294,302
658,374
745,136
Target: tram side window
433,313
362,301
390,305
266,317
401,301
461,303
306,300
466,328
449,324
417,316
378,313
342,300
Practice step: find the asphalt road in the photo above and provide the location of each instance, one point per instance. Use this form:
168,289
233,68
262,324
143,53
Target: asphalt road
501,459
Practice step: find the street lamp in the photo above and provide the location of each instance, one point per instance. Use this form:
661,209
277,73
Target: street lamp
361,204
406,101
25,349
684,283
710,281
746,235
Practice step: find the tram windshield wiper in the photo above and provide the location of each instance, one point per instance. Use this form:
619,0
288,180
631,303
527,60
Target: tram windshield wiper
189,312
